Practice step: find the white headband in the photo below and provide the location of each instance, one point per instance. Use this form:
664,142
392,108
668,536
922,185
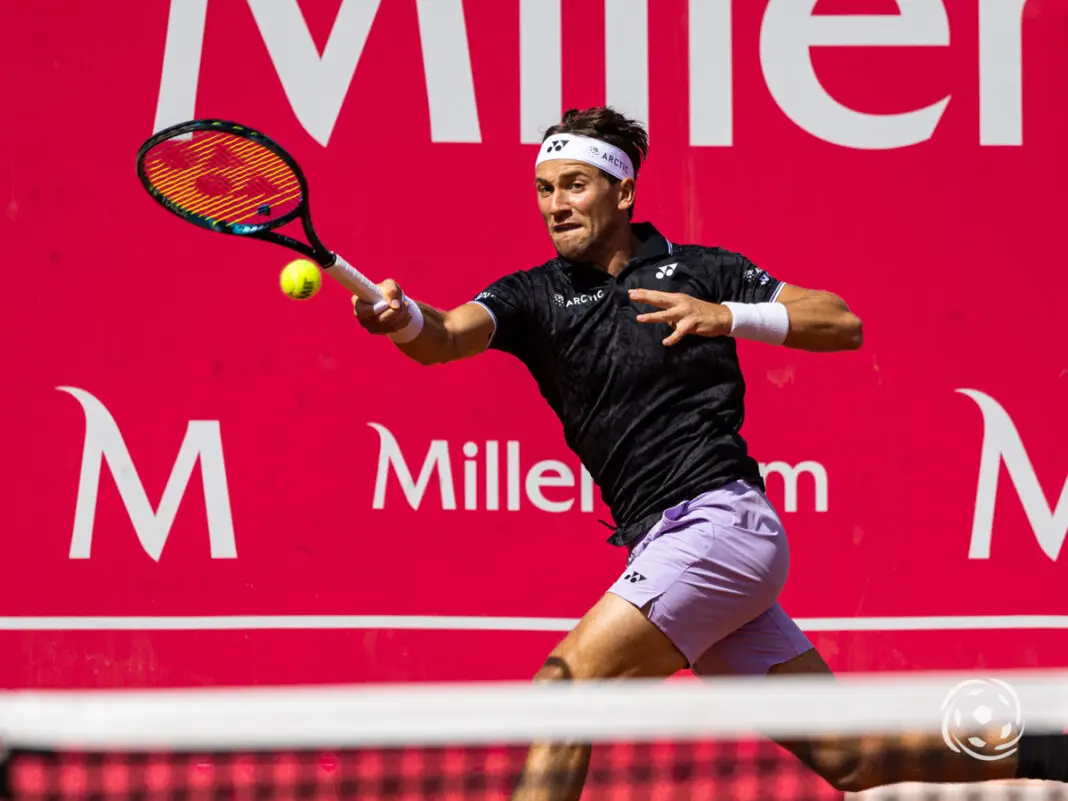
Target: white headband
591,151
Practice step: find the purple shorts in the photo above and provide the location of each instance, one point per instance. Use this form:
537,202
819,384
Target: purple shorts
709,574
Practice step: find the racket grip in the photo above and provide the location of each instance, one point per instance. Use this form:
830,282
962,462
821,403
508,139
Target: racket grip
356,282
365,289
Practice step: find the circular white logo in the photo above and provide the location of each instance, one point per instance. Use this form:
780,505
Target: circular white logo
982,718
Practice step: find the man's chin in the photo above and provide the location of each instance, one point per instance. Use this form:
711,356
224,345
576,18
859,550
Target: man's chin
571,250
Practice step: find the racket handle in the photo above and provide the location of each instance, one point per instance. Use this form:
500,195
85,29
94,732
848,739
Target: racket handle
365,289
353,280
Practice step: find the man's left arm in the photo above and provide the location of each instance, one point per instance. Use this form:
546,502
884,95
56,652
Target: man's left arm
741,300
818,321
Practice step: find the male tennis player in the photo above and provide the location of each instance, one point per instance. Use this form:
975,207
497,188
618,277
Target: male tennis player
631,339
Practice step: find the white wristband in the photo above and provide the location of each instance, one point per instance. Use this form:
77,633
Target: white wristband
761,322
415,325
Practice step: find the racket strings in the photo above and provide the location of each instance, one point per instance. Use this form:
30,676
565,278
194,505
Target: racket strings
222,177
236,185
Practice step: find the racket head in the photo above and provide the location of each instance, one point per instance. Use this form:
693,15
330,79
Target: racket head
222,176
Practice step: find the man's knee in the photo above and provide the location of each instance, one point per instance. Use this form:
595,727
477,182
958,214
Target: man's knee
840,762
855,764
555,668
614,640
847,772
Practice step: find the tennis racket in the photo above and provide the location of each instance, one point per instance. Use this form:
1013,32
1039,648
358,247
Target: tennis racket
229,178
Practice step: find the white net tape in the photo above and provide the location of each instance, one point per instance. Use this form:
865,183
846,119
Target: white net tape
498,714
506,712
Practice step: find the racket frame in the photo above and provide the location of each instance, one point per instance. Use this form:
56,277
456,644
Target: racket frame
314,249
335,266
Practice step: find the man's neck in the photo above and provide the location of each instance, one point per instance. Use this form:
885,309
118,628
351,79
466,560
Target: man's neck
617,252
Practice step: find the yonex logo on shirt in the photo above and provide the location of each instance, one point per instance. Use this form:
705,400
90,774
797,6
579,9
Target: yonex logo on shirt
634,577
667,270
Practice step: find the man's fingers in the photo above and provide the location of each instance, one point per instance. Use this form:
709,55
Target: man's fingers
365,311
654,297
676,336
682,328
361,308
392,293
666,316
383,316
394,319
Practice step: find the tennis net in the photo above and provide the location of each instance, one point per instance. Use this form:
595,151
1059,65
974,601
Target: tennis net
684,739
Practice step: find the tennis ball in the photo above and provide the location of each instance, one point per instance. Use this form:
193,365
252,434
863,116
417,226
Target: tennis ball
301,279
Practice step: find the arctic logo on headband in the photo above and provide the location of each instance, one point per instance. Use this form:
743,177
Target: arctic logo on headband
590,151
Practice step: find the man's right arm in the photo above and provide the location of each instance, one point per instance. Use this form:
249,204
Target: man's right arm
445,336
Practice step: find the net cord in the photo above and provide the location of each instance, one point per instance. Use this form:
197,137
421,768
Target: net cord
503,712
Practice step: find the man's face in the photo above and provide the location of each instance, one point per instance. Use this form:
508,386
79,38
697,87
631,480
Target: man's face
582,210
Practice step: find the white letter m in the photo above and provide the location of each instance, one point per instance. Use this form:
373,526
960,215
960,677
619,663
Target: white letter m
103,440
1001,442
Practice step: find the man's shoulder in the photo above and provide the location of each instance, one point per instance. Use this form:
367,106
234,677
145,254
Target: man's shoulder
541,272
530,276
710,253
716,260
521,281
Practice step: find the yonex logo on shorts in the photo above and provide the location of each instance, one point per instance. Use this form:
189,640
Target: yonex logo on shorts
634,577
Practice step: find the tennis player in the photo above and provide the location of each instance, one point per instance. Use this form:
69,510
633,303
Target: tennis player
631,340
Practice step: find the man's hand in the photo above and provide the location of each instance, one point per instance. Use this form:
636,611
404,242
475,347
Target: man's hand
441,336
389,320
685,314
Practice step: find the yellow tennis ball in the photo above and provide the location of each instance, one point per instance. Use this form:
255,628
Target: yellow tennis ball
301,279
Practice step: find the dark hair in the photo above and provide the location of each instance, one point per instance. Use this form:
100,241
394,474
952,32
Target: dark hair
608,125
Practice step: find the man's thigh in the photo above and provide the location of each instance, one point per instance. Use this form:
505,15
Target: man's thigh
773,645
613,640
769,643
709,567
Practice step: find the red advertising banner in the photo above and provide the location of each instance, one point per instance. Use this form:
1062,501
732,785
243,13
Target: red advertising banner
206,482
